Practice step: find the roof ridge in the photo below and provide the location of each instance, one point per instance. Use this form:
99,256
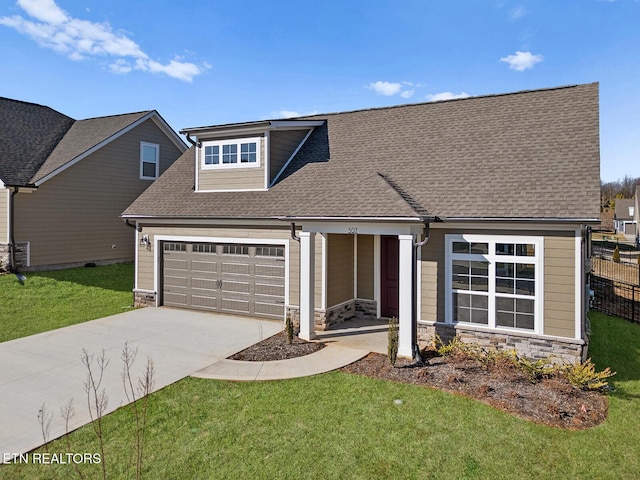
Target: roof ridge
146,112
406,196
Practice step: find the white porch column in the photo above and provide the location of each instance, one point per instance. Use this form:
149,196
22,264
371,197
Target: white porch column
405,285
307,285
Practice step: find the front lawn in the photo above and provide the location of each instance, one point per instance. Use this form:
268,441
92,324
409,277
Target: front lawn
55,299
340,425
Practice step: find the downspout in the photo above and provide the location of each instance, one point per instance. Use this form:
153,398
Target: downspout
417,358
138,227
293,232
13,268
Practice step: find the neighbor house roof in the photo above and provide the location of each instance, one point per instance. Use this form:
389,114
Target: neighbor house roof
526,155
623,207
28,134
37,142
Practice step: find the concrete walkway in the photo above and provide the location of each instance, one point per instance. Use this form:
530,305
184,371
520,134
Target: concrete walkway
346,344
46,368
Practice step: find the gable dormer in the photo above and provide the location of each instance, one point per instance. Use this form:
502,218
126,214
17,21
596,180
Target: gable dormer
245,157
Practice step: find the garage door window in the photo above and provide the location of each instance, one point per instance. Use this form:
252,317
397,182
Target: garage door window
267,251
175,247
236,249
204,248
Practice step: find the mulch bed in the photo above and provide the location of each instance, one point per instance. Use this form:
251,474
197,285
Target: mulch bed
550,401
277,348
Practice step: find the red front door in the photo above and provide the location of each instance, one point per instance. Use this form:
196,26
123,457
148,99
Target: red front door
389,273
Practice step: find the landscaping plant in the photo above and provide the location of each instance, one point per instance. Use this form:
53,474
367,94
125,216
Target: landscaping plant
394,338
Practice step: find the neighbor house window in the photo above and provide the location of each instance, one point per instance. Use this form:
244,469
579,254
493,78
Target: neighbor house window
494,281
149,161
244,152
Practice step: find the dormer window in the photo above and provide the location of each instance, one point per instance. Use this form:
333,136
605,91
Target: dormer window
243,152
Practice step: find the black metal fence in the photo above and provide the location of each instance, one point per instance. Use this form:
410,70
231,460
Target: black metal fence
625,272
616,298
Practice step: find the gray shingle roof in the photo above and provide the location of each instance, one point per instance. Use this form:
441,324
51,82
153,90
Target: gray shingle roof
531,154
28,134
36,140
622,208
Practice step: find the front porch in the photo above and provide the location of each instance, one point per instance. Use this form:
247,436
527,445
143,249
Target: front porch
364,271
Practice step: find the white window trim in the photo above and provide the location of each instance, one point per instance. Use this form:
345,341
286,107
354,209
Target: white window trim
157,147
232,141
538,260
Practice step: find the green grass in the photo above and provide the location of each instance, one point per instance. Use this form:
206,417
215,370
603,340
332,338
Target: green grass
55,299
339,425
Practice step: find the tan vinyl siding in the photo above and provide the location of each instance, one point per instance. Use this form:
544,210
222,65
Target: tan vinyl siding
432,277
233,178
559,277
4,215
365,267
147,257
559,285
339,269
282,146
74,217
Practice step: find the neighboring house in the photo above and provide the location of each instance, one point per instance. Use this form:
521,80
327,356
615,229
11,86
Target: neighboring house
324,218
65,182
624,219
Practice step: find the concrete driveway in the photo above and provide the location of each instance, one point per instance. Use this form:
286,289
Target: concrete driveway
47,368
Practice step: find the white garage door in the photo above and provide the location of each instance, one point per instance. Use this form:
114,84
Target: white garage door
246,279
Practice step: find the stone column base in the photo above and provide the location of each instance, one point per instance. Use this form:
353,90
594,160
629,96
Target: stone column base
144,298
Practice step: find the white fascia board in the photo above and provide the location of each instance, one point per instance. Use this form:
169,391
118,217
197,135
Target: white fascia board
479,225
295,124
168,131
95,148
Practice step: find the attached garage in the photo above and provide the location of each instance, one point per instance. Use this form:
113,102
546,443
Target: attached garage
245,279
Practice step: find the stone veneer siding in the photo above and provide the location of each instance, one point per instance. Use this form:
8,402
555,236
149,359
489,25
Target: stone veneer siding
527,345
144,298
20,255
325,319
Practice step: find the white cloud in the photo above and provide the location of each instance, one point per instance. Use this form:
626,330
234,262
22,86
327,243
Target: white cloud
291,114
517,13
522,61
389,89
436,97
80,39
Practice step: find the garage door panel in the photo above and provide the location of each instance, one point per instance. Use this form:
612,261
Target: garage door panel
231,286
175,263
235,305
203,277
268,309
175,299
235,268
275,271
208,302
204,284
270,290
202,266
175,281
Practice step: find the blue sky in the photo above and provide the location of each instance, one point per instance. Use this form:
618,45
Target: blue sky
207,62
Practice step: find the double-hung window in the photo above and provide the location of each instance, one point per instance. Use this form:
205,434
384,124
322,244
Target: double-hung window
243,152
494,281
149,160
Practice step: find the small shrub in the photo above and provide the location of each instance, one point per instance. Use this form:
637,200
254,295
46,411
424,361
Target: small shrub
585,377
394,338
288,327
616,254
490,359
455,347
537,370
